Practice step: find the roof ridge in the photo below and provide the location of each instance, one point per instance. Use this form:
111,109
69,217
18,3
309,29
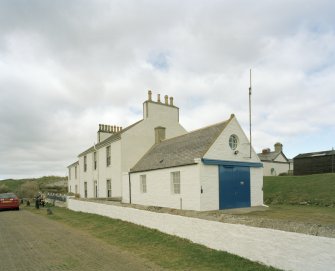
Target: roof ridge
196,130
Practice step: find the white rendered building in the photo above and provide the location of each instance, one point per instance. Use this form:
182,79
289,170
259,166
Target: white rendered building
156,162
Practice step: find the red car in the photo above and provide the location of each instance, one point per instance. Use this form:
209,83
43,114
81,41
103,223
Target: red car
9,201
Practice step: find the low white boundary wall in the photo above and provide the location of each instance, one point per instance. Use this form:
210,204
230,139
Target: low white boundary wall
284,250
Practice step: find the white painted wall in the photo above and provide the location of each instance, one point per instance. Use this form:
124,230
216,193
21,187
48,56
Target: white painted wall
73,180
256,186
134,143
278,168
159,192
140,138
220,150
284,250
209,181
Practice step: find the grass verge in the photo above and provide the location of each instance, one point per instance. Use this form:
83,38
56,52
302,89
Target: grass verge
168,251
316,190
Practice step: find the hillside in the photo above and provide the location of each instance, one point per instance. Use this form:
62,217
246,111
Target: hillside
52,184
316,189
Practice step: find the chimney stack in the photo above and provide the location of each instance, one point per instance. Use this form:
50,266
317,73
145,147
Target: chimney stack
278,147
159,134
265,151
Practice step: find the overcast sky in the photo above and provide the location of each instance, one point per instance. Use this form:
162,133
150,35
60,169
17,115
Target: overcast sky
66,66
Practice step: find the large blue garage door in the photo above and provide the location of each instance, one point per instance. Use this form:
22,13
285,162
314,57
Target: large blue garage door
234,187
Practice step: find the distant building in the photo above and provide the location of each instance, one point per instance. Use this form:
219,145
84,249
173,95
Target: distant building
275,162
314,162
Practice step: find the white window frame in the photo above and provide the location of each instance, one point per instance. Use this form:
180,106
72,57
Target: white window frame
85,189
143,183
175,182
108,156
95,163
85,163
109,188
233,142
95,189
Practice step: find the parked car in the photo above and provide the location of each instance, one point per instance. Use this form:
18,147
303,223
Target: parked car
9,201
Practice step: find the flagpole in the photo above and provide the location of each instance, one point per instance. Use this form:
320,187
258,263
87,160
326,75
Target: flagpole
250,113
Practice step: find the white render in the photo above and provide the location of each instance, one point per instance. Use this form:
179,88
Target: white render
275,168
126,150
275,162
284,250
220,149
73,178
199,182
159,188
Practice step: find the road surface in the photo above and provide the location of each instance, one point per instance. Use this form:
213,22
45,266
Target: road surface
33,242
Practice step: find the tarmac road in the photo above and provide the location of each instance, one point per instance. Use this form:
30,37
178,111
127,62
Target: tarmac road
32,242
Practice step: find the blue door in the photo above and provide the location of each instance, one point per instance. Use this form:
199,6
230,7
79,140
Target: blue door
234,187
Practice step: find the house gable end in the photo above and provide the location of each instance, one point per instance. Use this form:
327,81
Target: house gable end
220,149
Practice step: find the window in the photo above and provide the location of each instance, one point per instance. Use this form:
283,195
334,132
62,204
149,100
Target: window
95,160
75,172
85,163
108,156
175,182
85,189
95,189
109,188
143,183
76,189
233,142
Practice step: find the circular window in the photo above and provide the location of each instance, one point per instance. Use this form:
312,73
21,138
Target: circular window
233,142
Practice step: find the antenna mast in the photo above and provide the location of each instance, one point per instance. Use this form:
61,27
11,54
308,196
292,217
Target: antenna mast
250,113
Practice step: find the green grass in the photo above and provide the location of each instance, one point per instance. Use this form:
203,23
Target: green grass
316,190
165,250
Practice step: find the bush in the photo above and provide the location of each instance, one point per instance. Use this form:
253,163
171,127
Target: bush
4,188
29,189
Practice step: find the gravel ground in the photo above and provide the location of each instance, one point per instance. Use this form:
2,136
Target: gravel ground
30,242
234,217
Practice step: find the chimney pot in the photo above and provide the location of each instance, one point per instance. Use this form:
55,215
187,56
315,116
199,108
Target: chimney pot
158,98
166,99
149,95
171,100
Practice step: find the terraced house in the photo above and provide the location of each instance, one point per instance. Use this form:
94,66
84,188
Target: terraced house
155,161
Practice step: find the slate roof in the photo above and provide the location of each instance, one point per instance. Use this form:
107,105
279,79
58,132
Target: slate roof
180,150
269,156
108,140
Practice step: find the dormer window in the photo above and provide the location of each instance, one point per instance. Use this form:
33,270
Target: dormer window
233,142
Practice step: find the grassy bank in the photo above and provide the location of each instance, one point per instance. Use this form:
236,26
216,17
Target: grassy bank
168,251
315,190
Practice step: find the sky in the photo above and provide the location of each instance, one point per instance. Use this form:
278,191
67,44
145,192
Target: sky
68,65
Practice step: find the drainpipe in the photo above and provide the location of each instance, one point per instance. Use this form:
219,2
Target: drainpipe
129,187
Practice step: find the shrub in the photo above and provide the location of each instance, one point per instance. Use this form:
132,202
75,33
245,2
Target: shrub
4,188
